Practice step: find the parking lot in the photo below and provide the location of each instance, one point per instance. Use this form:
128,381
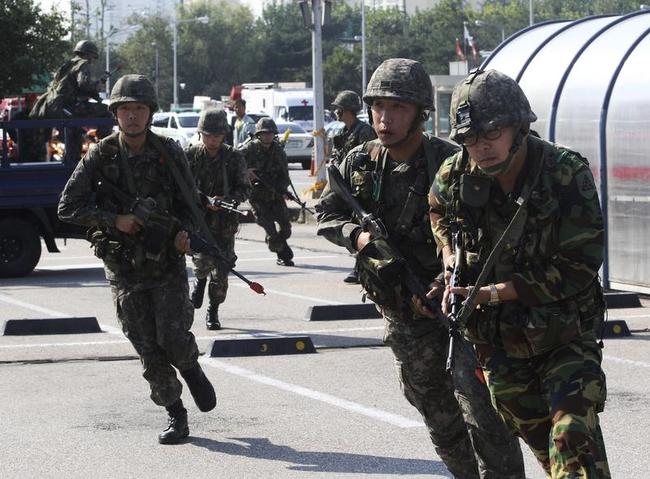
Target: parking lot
76,406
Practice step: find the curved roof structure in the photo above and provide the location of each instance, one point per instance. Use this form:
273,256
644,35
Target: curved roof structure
588,81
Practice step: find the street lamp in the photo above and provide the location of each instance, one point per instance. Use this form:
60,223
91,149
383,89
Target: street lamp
155,45
314,19
175,24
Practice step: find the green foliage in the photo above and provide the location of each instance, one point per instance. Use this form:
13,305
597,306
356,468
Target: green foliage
235,47
32,45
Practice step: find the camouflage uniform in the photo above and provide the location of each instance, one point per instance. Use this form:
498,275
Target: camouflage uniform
348,138
226,177
151,294
456,410
267,200
146,273
68,94
539,352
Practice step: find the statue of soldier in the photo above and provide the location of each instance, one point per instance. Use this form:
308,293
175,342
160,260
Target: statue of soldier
536,317
69,92
268,170
347,105
390,178
220,174
144,254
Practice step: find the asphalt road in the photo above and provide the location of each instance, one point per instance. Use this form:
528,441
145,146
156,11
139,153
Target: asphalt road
76,406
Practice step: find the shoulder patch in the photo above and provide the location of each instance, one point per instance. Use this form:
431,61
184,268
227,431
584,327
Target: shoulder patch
585,184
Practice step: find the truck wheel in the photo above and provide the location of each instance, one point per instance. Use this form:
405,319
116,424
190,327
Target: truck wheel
20,248
306,164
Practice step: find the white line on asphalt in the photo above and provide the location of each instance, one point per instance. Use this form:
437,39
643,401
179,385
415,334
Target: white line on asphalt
390,418
626,361
51,312
293,295
57,345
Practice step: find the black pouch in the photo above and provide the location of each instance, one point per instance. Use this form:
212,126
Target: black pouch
552,325
379,272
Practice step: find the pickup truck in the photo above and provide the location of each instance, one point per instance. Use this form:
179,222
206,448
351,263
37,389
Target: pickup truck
29,196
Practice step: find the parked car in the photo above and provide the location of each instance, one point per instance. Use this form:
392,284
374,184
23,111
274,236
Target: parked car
299,144
331,129
180,126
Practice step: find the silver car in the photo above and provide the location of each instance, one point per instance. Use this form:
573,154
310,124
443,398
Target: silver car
299,144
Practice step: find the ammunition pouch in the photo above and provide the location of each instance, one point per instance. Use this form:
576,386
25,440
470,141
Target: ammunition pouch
380,267
158,232
527,332
109,250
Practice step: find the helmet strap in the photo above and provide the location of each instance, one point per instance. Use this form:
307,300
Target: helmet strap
499,169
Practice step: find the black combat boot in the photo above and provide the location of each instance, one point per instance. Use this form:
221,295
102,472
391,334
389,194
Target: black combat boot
353,277
177,430
212,318
197,292
201,388
285,257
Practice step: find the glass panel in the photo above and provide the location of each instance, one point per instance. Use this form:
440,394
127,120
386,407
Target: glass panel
516,52
543,74
628,169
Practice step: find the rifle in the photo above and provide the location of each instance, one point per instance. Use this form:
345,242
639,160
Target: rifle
457,279
293,197
107,74
146,210
377,229
227,205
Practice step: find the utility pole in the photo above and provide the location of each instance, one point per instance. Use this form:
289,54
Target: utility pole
314,21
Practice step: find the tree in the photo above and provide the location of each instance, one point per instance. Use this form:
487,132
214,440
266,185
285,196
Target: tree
32,45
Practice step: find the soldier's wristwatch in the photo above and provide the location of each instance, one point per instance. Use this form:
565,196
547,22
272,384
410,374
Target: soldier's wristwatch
494,295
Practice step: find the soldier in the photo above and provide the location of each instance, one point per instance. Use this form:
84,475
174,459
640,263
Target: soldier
220,174
144,260
347,105
390,177
68,94
534,325
269,173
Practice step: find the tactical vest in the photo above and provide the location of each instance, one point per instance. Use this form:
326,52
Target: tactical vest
522,331
149,253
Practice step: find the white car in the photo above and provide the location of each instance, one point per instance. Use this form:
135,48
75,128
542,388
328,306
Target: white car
299,144
179,126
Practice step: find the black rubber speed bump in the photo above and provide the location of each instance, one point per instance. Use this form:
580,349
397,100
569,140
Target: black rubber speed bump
261,346
616,328
342,311
25,327
622,299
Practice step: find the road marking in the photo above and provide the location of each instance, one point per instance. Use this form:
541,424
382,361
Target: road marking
390,418
311,299
51,312
626,361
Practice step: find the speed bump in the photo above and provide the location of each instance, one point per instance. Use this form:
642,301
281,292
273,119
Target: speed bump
25,327
615,329
261,346
342,311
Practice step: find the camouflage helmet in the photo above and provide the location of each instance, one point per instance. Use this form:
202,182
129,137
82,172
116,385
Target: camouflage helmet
213,121
487,100
347,100
133,88
400,79
86,46
266,125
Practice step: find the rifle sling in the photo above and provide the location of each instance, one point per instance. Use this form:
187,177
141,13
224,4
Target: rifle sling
187,195
511,235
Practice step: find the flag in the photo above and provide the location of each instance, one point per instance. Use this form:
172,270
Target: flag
469,40
459,51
